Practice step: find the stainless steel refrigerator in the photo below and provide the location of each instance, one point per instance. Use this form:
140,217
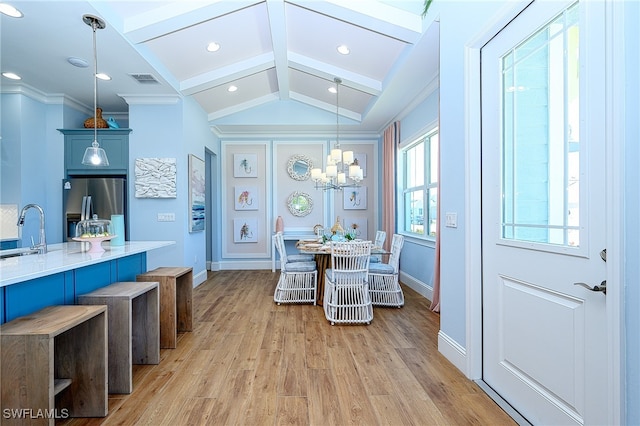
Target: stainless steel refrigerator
108,196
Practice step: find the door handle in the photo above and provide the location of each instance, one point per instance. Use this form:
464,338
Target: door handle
602,287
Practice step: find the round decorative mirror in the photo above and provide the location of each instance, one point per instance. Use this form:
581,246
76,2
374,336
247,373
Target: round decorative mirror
300,203
299,167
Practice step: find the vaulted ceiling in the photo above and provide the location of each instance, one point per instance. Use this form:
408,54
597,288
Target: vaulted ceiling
280,55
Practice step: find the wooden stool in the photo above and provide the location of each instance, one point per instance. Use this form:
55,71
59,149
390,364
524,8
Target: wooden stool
176,312
54,362
134,328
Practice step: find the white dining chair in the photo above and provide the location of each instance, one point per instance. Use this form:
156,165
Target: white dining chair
346,291
298,282
289,258
381,236
384,285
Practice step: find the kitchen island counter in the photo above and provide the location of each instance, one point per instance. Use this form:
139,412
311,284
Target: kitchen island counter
32,282
67,256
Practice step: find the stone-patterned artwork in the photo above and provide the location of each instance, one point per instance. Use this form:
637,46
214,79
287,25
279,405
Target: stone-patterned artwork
155,178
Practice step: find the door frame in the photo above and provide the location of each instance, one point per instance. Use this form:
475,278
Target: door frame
614,130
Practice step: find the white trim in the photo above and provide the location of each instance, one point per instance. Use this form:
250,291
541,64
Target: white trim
473,232
418,286
244,265
614,205
150,99
451,350
226,191
44,98
614,58
473,200
199,278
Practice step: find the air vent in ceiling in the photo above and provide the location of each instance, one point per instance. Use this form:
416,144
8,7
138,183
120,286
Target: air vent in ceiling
144,78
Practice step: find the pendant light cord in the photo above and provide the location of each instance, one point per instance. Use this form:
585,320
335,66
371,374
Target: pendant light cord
338,81
95,86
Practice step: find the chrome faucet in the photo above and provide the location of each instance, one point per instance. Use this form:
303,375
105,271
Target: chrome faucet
42,244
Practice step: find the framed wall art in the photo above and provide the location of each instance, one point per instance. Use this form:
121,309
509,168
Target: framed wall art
246,198
355,198
361,160
196,194
245,165
155,178
357,226
245,230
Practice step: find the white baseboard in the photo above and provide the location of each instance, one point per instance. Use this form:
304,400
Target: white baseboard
231,265
451,350
416,285
199,278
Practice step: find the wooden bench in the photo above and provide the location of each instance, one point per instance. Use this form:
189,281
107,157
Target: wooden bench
176,305
54,365
134,328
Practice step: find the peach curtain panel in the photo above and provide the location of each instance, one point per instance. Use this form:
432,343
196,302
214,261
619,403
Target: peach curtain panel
389,143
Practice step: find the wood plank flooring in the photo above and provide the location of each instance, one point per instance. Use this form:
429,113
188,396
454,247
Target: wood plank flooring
252,362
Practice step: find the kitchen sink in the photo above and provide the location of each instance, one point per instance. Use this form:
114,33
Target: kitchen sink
5,254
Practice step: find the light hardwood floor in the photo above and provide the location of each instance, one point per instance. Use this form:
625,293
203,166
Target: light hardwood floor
252,362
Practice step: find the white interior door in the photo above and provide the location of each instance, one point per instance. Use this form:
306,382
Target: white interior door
544,338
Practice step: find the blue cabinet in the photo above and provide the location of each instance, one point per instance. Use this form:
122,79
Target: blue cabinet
63,288
115,142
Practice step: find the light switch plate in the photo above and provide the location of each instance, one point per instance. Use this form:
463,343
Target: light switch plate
166,217
451,220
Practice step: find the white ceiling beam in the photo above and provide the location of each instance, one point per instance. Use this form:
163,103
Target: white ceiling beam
329,72
227,74
326,106
176,16
278,26
370,14
243,106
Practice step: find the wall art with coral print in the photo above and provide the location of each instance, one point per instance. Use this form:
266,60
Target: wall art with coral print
245,230
246,198
355,198
245,165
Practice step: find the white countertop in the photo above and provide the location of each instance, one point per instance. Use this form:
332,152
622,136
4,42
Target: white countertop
64,257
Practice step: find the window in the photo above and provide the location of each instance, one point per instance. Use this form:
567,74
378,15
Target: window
419,186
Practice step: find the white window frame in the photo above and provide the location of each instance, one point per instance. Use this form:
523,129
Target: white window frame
426,138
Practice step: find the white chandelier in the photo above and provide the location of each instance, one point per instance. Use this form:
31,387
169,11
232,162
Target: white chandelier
340,165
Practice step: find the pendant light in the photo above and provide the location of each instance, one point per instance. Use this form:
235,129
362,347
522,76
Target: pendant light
338,162
94,155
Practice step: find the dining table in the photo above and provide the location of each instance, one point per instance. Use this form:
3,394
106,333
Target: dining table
322,256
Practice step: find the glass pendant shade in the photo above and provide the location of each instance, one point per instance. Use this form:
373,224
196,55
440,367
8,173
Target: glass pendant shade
95,156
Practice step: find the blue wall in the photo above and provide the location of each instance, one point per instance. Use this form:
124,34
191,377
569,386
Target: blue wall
417,259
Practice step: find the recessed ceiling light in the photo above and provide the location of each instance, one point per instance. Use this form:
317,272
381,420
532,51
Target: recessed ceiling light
232,88
213,47
103,76
9,10
332,89
78,62
12,76
344,49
